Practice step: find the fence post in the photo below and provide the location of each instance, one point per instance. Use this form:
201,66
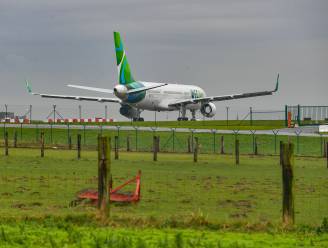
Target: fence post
253,140
256,152
128,148
192,139
70,142
15,139
21,132
237,151
173,139
136,138
325,144
196,150
78,146
222,144
189,144
42,144
116,147
281,152
104,173
158,143
327,153
288,183
6,144
51,138
155,148
214,140
84,141
118,136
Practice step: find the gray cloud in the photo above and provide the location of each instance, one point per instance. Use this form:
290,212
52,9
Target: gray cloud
224,46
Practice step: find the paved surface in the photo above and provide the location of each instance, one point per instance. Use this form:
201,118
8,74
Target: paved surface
302,131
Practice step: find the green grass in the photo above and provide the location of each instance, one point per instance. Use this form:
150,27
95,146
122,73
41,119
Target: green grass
214,190
66,235
206,124
169,141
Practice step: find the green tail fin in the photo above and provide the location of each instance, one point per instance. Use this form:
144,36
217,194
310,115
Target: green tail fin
124,72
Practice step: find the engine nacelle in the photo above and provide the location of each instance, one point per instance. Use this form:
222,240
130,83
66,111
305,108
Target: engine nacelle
129,111
208,109
121,91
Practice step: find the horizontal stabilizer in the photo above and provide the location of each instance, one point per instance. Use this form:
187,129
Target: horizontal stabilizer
90,88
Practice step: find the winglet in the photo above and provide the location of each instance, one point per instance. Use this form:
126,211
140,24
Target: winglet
277,84
28,87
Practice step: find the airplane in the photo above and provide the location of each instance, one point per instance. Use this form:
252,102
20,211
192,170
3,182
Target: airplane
134,96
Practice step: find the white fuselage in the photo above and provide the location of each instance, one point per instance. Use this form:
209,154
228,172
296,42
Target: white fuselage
158,99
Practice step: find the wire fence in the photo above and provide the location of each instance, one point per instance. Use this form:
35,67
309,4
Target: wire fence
138,139
214,190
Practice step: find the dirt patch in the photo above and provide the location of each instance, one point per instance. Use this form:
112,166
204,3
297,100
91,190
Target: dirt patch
6,194
35,204
238,215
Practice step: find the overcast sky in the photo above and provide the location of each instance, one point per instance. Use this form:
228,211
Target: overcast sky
223,46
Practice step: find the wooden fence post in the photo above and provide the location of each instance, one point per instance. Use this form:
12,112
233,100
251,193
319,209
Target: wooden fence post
116,147
196,146
42,144
256,151
237,151
15,139
78,146
325,144
104,173
128,147
6,144
158,144
155,148
281,151
327,153
288,183
189,143
222,144
70,142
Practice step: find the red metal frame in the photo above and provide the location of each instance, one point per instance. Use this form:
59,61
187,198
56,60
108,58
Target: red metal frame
115,196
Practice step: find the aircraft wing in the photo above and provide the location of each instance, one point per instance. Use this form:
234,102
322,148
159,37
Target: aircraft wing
226,97
79,98
111,91
91,88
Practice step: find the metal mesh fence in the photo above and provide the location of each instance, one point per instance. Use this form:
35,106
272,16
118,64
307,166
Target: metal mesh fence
251,142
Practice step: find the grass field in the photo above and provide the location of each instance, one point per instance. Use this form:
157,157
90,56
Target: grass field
66,235
170,141
174,187
204,124
184,204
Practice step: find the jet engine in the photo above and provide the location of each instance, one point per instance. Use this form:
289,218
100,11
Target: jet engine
208,109
121,91
129,112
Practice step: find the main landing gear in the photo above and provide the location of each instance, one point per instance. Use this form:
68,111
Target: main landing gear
138,117
183,117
